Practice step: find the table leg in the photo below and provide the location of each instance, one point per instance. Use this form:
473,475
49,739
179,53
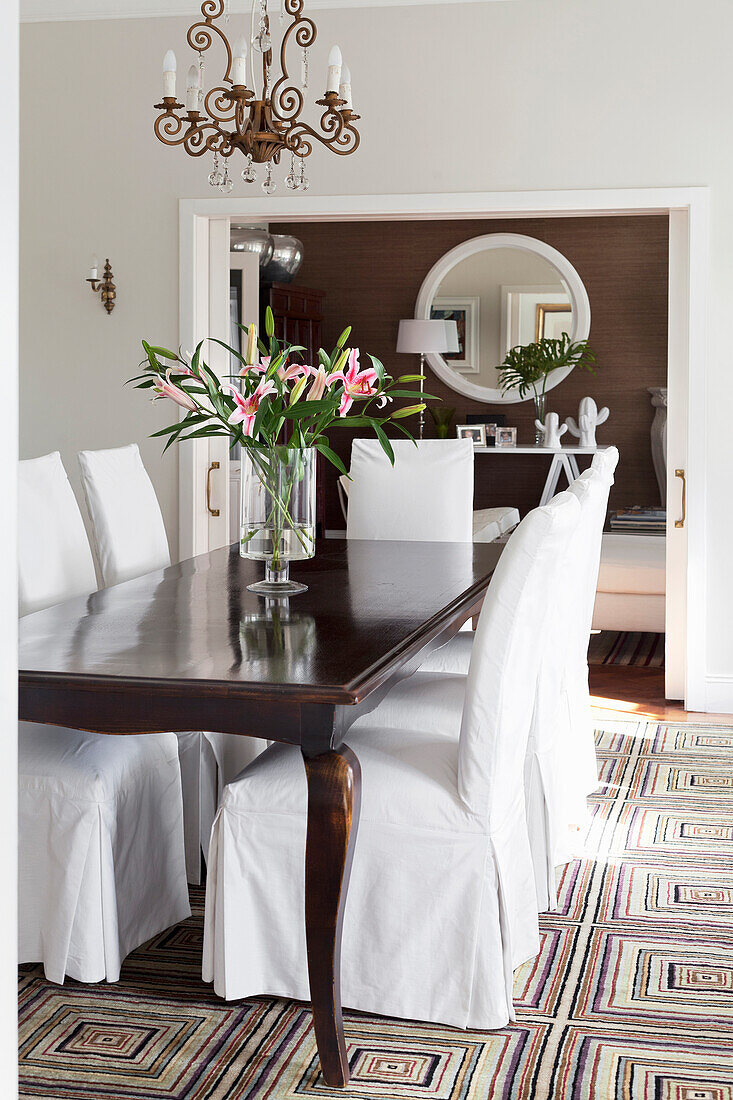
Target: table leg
334,789
575,469
553,476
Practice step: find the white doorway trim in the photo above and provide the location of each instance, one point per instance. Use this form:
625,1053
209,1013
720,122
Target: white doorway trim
688,208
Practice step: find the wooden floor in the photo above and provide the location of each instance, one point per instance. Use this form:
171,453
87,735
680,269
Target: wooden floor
618,691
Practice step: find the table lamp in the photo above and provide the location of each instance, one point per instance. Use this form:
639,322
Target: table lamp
416,337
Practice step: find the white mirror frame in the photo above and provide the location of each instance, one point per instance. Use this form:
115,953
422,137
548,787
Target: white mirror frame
570,279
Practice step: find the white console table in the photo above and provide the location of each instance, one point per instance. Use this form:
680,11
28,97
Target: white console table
563,461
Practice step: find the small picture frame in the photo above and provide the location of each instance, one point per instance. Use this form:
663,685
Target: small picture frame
475,432
505,437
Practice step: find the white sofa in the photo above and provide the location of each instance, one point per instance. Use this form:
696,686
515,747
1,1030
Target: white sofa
631,583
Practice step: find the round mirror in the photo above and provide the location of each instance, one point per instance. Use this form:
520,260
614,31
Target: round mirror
502,290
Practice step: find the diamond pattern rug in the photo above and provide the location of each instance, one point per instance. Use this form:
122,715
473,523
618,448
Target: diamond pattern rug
630,997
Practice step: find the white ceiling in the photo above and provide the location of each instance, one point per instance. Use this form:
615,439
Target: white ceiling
41,11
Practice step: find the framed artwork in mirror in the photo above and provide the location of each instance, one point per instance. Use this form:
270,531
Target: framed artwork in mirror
465,312
553,319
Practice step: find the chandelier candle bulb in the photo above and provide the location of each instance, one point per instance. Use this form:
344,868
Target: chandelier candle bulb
345,88
169,75
239,64
334,70
192,89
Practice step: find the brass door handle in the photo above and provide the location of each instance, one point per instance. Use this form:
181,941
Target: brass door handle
211,511
681,522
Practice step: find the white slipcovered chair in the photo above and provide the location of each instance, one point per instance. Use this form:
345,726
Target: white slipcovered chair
592,487
426,496
435,699
101,858
575,759
130,540
441,905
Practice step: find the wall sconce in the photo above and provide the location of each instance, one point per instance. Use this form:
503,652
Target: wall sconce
105,285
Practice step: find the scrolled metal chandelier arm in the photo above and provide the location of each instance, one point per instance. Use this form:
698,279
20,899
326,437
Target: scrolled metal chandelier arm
201,35
287,100
220,106
262,126
339,135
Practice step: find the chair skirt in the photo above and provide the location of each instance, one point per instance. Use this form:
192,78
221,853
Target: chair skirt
555,804
101,860
208,762
438,914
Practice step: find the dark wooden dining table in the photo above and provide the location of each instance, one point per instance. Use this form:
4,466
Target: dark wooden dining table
188,647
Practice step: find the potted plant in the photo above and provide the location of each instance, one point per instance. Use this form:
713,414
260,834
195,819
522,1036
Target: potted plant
528,366
280,410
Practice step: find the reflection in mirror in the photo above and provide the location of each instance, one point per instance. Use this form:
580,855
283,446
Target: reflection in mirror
502,290
500,298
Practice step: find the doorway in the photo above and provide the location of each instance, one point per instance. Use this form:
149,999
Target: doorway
205,310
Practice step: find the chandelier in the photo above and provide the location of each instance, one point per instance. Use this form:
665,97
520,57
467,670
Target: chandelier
263,122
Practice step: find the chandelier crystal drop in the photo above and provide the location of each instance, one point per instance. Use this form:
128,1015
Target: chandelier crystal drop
257,112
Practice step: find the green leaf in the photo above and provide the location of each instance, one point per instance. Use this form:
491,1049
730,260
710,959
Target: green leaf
308,408
165,353
167,431
403,429
231,351
386,445
332,457
356,422
413,393
378,366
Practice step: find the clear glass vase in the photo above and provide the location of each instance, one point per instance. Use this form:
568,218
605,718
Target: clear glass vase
278,517
539,412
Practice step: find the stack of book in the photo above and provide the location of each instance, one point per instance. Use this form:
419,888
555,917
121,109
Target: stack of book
639,521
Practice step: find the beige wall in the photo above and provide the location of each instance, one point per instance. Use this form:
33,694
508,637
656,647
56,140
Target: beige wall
527,95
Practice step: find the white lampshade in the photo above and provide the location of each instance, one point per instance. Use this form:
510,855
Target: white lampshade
417,337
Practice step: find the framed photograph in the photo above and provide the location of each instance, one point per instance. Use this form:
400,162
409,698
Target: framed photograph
465,312
475,432
505,437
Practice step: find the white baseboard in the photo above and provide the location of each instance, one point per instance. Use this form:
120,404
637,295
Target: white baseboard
719,694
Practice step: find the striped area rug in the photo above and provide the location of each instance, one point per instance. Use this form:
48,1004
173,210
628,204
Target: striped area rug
630,998
640,649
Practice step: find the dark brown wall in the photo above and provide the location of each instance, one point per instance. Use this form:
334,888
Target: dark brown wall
372,272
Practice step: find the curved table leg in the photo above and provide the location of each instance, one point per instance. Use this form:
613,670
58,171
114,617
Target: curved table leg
334,787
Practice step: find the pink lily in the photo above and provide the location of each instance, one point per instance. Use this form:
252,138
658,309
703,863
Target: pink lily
184,367
295,370
259,368
246,407
356,383
321,381
168,389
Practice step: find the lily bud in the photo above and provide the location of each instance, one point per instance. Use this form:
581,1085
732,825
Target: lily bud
341,361
409,410
297,389
251,355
